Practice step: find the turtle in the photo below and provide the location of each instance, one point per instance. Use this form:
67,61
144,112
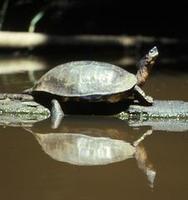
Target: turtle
93,81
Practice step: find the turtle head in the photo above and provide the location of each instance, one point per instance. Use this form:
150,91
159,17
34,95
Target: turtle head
153,53
145,65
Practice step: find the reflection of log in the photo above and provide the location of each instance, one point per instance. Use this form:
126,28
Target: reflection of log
19,64
34,40
19,104
170,125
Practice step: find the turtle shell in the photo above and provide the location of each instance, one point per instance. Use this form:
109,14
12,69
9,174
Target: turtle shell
85,78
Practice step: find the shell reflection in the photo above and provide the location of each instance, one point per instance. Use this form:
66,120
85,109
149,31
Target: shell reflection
82,149
95,141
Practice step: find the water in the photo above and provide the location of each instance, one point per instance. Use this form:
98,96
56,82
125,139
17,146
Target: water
90,157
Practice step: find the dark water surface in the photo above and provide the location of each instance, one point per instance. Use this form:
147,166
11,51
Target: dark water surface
91,157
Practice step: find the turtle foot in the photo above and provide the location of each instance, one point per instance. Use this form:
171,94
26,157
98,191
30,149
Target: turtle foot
142,98
56,114
149,99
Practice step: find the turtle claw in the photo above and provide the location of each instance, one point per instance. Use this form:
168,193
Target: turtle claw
141,96
149,99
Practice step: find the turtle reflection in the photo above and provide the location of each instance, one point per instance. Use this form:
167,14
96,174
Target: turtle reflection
90,145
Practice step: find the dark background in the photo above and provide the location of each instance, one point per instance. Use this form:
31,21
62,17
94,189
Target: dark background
152,18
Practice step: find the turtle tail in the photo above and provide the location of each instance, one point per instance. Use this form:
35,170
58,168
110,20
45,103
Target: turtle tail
28,91
145,66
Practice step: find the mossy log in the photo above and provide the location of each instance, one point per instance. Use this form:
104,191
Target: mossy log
170,116
21,108
161,109
18,109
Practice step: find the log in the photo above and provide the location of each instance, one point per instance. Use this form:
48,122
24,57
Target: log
20,40
159,110
16,111
22,108
168,116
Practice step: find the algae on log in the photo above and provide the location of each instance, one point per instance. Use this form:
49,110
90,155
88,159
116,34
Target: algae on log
161,109
21,112
20,108
165,116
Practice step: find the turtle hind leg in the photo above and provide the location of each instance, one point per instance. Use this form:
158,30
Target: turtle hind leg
142,97
56,113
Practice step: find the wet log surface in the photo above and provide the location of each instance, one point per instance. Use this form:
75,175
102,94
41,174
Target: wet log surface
19,108
160,109
170,116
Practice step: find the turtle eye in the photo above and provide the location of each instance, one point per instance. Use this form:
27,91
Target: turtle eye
153,52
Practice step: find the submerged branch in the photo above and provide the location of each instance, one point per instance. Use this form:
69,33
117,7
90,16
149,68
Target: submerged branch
3,13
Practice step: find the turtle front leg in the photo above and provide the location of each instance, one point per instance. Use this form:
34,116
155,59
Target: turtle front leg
141,96
56,113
